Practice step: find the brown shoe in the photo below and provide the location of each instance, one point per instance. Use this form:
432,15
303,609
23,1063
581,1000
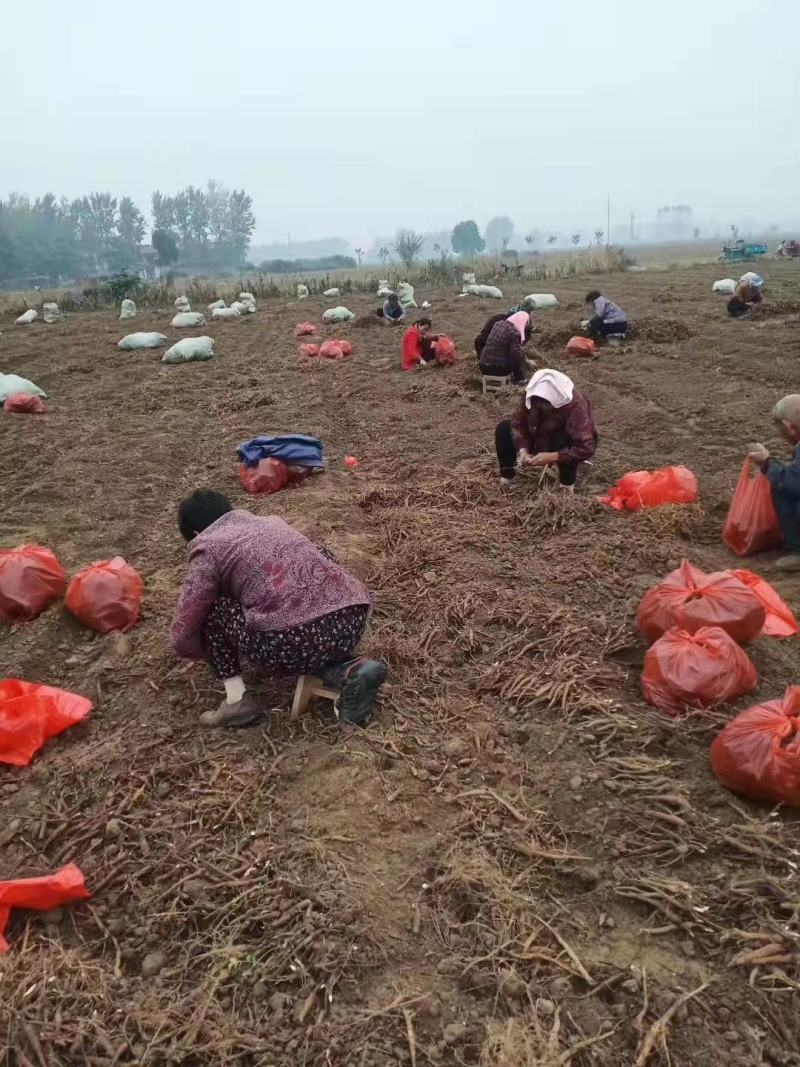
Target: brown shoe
241,713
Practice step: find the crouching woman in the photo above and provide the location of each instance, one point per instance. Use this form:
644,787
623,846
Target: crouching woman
256,589
552,425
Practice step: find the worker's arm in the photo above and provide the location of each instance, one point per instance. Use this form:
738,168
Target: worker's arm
580,429
200,591
784,477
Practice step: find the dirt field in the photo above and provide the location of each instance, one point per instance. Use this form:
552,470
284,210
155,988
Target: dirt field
519,863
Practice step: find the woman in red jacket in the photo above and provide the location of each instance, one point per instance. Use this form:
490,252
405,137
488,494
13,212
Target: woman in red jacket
417,347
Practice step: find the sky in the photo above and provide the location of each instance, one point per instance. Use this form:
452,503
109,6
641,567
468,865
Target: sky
356,118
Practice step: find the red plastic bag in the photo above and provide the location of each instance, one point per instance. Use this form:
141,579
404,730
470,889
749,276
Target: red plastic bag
780,621
106,595
31,714
683,670
41,894
758,753
752,525
649,489
690,599
581,346
305,329
24,402
445,349
31,578
346,347
309,351
270,476
331,350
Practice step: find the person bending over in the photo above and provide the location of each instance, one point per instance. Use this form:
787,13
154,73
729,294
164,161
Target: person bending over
392,310
256,589
417,346
483,336
502,354
607,320
784,479
747,294
553,424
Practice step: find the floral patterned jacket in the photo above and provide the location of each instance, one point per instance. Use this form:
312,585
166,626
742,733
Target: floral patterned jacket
278,576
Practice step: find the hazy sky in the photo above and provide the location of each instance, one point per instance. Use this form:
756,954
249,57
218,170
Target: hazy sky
352,118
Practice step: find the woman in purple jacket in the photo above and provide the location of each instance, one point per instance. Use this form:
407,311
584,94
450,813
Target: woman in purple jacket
257,589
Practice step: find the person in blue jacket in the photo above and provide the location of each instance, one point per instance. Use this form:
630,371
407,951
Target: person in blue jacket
784,478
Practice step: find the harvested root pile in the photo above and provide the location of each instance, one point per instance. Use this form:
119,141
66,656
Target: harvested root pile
775,309
660,331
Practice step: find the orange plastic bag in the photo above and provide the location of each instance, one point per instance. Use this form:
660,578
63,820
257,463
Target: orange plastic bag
31,578
106,595
758,753
332,350
649,489
691,599
699,670
780,621
305,329
752,525
581,346
24,403
41,894
309,351
445,349
270,476
31,714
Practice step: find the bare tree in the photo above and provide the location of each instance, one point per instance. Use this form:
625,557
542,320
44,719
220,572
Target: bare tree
530,239
598,236
576,238
408,245
551,240
359,253
696,232
383,253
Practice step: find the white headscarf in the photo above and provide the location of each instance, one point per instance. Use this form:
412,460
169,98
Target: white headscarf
751,278
550,385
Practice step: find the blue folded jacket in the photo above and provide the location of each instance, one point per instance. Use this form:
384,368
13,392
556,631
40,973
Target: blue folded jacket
296,449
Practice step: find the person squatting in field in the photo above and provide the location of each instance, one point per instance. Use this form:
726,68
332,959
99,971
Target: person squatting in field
552,425
392,310
608,319
501,353
256,589
417,348
784,478
747,294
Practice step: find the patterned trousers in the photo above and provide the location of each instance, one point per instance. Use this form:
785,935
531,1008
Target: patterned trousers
303,649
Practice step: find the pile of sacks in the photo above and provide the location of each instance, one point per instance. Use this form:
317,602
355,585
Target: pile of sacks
19,395
50,314
696,623
104,596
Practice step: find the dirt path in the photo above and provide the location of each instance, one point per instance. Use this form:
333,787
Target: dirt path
519,863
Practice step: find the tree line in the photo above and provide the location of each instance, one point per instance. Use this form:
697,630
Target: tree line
54,239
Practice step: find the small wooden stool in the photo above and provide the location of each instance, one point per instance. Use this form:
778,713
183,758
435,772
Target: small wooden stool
307,689
494,384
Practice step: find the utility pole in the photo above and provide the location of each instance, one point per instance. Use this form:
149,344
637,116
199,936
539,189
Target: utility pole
633,227
608,229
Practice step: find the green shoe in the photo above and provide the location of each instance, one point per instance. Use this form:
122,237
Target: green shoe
358,682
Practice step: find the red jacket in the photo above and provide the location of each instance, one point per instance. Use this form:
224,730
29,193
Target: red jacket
411,352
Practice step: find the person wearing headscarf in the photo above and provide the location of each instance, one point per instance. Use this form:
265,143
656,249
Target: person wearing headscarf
502,354
608,320
746,295
552,425
483,336
392,310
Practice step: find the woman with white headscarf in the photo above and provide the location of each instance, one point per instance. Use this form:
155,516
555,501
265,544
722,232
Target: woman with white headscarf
552,425
748,293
